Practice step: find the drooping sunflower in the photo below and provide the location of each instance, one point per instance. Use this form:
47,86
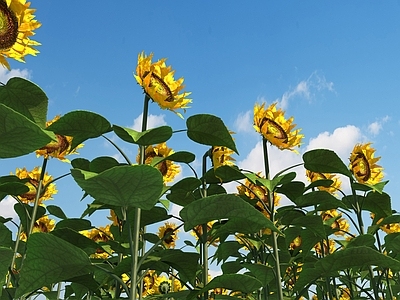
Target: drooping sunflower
221,156
167,168
273,126
157,81
17,25
101,234
341,225
58,149
43,224
33,183
333,188
169,234
363,164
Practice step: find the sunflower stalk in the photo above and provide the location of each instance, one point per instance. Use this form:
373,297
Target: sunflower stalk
272,217
203,240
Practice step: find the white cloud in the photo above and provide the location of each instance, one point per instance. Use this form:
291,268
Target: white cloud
7,207
244,122
152,121
5,75
306,89
341,140
375,127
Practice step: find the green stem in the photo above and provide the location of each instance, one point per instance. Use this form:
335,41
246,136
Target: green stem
37,197
119,149
14,255
272,217
135,236
203,239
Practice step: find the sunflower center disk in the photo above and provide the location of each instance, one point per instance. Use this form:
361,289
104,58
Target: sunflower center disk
364,170
275,129
161,87
8,27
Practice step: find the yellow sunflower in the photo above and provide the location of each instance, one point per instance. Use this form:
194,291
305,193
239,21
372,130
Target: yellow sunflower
58,149
157,81
363,164
33,183
387,228
297,241
43,224
169,234
221,156
101,234
151,282
273,126
340,223
331,248
258,193
198,231
17,25
167,168
333,188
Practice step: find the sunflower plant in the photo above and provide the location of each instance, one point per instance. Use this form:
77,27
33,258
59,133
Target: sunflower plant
325,244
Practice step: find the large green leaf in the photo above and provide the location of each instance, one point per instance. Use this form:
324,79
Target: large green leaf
19,135
81,125
325,161
5,236
149,137
322,199
26,98
136,186
222,206
6,255
209,130
12,185
24,211
50,259
181,193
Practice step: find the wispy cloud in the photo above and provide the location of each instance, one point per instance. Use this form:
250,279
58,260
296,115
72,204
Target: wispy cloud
7,207
152,121
5,75
376,127
316,82
244,122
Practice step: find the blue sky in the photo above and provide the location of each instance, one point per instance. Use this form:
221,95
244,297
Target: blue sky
332,65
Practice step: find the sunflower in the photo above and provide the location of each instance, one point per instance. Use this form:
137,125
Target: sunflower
43,224
167,168
58,149
340,224
168,234
101,234
33,183
157,81
296,243
221,156
258,193
331,248
363,164
198,231
387,228
151,283
17,24
273,126
333,188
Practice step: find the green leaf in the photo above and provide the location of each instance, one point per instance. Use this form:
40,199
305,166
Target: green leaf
218,207
234,282
6,255
19,135
81,163
182,157
135,186
362,240
392,242
181,193
228,173
292,189
24,211
74,224
185,262
227,249
50,259
26,98
102,163
313,223
81,125
12,185
154,215
209,130
5,237
325,161
76,239
56,211
322,199
262,272
149,137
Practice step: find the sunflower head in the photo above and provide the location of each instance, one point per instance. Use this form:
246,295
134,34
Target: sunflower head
167,168
33,183
198,231
17,24
43,224
363,164
157,81
273,126
60,148
101,234
341,225
168,233
221,156
333,188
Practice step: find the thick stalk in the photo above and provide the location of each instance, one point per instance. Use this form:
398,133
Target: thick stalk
37,197
15,254
204,226
272,217
136,222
